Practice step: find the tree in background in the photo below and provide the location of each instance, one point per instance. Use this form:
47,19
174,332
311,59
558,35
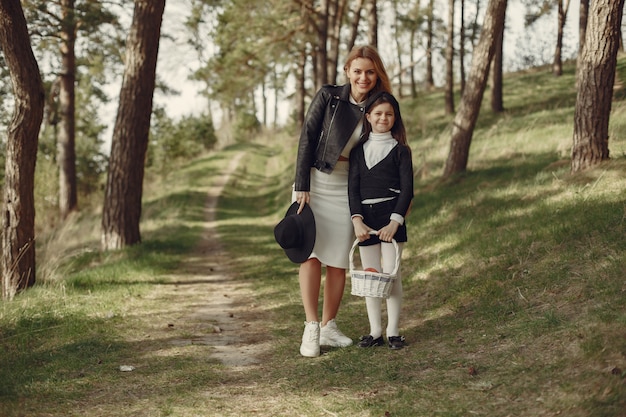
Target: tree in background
430,23
372,23
467,114
173,142
595,78
124,187
557,64
17,252
536,9
57,25
449,88
497,100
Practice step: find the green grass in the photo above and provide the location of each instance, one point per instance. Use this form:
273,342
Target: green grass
516,271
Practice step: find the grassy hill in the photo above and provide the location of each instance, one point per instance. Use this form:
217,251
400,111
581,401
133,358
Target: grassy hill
514,282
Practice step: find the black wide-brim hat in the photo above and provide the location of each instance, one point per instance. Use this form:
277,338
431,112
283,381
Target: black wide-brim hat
296,233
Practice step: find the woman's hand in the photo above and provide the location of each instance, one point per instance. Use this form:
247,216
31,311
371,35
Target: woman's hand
387,233
302,197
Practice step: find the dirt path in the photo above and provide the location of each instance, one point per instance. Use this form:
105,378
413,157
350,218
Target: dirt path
219,311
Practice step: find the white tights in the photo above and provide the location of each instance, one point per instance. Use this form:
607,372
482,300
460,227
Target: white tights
382,257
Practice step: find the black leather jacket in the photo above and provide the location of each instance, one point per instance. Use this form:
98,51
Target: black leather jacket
328,125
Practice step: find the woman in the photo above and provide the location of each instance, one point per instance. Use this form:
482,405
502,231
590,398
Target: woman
331,129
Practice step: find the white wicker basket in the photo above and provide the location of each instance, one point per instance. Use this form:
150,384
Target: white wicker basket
372,284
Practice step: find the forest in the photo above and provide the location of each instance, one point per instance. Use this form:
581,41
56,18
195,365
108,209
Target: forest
58,57
139,272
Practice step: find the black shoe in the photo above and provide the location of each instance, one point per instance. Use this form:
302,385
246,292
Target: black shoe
369,341
396,342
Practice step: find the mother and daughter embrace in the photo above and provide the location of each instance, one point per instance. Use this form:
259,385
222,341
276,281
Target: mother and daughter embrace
353,162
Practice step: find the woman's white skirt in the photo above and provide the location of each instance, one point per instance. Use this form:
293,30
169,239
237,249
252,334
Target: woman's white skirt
334,233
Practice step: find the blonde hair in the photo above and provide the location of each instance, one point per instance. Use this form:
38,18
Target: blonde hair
369,52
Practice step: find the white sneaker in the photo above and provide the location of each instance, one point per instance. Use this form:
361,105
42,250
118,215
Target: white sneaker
310,346
330,335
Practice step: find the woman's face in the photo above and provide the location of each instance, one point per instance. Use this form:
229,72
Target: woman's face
362,76
381,117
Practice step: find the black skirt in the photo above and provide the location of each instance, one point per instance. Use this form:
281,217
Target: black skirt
377,216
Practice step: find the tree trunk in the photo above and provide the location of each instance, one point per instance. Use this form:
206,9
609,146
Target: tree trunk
430,17
583,14
337,10
399,49
462,47
497,101
300,89
18,206
354,25
596,75
321,54
412,61
449,90
372,23
557,64
466,116
66,141
122,203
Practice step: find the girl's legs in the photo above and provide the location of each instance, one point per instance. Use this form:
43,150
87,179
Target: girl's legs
394,302
370,258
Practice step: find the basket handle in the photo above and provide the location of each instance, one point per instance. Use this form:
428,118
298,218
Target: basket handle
395,246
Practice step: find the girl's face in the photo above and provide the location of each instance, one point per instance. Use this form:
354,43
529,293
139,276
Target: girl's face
362,76
381,117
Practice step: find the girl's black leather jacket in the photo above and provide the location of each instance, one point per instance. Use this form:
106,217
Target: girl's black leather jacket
328,125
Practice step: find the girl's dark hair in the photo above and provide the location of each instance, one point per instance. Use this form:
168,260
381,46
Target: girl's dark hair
397,130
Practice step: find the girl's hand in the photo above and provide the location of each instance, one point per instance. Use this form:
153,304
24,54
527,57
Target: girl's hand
361,230
387,233
302,197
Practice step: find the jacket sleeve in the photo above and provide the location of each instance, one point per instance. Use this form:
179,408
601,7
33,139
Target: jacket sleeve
354,182
405,166
309,139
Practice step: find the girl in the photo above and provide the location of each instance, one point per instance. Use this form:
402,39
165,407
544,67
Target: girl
380,190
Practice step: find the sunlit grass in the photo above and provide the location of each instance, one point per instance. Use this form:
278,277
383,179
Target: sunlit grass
513,279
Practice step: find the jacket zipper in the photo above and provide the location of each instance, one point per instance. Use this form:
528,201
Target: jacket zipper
332,120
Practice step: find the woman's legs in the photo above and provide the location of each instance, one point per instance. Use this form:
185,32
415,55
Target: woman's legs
310,276
333,292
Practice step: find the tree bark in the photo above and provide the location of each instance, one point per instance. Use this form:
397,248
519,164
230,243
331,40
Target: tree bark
337,11
497,101
557,64
449,90
18,206
462,47
466,116
300,89
596,76
583,15
122,204
372,23
354,25
399,50
66,141
430,18
321,55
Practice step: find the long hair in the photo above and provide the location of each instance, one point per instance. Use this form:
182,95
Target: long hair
398,130
369,52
